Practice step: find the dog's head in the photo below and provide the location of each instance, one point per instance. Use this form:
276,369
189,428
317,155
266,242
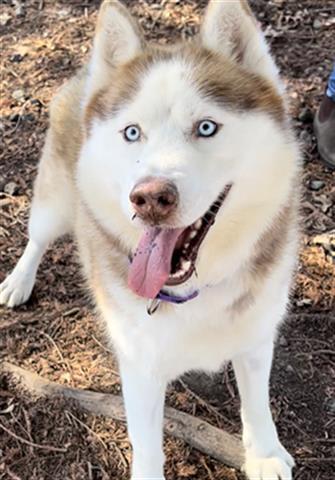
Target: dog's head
171,132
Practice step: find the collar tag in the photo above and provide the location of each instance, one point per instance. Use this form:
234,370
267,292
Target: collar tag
153,305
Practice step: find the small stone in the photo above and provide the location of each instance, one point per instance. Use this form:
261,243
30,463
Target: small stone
2,183
317,24
14,117
64,12
304,302
305,138
316,185
326,241
4,19
304,135
28,117
306,115
289,368
37,102
19,9
66,62
16,58
11,188
324,201
282,341
330,405
18,94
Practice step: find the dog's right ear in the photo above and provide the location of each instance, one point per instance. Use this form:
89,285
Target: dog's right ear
230,28
117,40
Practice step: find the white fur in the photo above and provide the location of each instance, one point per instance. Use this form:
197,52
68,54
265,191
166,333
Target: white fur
251,152
260,159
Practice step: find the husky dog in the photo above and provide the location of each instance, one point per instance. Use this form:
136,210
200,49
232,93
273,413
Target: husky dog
176,168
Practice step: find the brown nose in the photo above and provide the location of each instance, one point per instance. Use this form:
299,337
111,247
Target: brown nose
154,199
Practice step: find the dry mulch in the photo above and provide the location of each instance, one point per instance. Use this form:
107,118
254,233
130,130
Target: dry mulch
56,334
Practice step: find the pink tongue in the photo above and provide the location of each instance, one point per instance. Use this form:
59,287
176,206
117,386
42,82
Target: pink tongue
151,263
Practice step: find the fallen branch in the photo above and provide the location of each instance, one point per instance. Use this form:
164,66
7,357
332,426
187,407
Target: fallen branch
31,444
222,446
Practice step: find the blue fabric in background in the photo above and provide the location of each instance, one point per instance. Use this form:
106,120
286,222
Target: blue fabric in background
331,85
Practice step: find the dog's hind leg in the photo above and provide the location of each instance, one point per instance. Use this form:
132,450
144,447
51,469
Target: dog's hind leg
50,217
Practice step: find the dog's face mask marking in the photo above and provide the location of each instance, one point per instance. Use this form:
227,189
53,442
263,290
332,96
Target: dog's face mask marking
166,131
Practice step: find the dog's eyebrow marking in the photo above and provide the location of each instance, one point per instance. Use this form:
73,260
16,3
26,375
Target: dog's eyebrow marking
215,77
222,81
124,85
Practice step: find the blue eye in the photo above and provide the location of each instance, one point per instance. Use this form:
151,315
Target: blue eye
132,133
206,128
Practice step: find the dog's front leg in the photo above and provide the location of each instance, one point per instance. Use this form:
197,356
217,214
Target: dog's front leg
144,395
266,458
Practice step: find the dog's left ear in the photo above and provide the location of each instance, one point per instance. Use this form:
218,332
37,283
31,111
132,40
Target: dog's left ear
117,40
229,27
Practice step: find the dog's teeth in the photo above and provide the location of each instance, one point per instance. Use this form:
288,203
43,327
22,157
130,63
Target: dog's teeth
193,234
178,275
186,265
198,224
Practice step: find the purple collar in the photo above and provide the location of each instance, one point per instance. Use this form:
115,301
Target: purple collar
166,297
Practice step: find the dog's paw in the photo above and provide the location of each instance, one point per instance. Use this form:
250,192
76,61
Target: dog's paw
278,466
16,289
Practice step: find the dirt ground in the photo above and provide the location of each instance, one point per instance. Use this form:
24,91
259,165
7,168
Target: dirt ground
56,333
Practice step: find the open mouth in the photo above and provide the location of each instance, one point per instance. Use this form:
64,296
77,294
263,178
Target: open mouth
187,247
167,256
